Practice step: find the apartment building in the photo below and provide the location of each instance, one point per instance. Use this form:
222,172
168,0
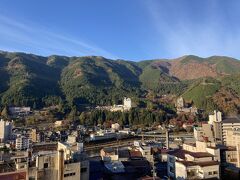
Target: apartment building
194,161
5,130
22,143
233,140
230,123
14,166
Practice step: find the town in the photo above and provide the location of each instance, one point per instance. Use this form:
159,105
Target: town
201,150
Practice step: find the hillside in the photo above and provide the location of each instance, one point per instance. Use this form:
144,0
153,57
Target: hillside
32,80
193,67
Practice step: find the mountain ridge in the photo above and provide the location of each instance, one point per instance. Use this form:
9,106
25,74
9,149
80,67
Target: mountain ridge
28,79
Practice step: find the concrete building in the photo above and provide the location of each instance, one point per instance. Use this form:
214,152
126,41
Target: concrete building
52,165
127,103
215,117
229,124
126,106
56,161
72,139
115,126
14,166
194,161
215,120
233,140
40,137
182,108
22,143
19,111
146,149
5,130
203,132
180,103
212,131
32,135
109,154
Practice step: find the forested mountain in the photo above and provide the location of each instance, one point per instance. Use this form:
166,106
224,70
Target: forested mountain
32,80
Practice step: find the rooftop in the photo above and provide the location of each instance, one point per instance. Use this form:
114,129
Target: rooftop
108,150
180,153
201,164
135,153
231,120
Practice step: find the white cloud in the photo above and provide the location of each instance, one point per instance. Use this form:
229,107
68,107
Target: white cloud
180,34
29,37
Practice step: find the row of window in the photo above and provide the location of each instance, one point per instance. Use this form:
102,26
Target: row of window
212,172
69,174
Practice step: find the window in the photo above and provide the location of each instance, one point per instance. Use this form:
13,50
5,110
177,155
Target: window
45,165
171,160
69,174
83,170
210,173
66,175
172,170
215,172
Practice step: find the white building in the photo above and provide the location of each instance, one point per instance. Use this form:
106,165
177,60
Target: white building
22,143
215,117
194,161
5,130
20,111
115,126
126,106
180,103
127,103
215,120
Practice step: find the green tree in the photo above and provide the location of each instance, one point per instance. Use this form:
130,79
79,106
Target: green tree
82,118
5,112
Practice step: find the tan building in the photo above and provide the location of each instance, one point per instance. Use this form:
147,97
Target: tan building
212,131
60,162
233,140
63,163
229,124
52,165
14,167
33,135
204,132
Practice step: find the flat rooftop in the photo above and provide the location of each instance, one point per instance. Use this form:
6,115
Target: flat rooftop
231,120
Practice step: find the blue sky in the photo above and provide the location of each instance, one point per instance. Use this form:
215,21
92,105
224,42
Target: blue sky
121,29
